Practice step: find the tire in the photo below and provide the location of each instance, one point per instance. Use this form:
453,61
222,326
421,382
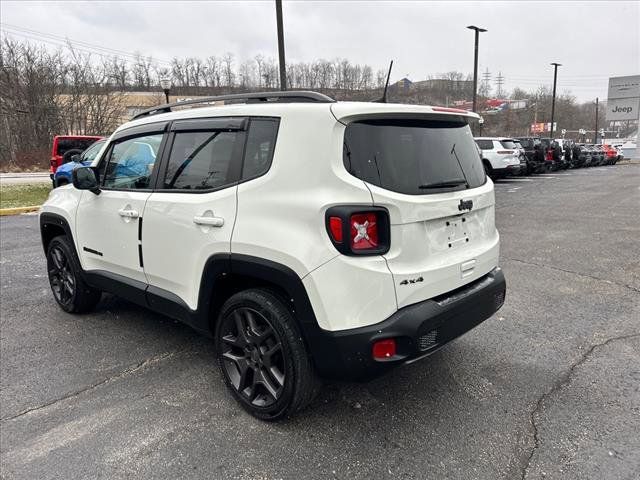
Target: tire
262,357
65,278
66,158
488,170
62,181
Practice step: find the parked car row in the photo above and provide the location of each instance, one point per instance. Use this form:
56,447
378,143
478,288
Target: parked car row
503,156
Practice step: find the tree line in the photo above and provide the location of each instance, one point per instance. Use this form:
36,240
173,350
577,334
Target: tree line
46,93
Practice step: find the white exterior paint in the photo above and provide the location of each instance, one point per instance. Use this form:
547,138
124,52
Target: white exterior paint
280,217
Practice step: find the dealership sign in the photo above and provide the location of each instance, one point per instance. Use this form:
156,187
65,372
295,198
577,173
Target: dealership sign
624,98
623,108
624,87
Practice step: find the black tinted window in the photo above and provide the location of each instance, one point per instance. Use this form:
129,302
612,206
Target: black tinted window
261,141
413,157
200,160
485,144
66,144
508,144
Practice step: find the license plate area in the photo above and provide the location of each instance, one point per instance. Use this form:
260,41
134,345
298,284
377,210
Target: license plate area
457,232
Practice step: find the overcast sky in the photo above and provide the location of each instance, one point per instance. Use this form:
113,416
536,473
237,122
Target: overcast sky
593,40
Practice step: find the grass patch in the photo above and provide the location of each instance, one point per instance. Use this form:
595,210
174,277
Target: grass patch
12,196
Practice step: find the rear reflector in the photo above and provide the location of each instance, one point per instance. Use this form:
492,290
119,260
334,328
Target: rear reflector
335,226
364,231
505,152
383,349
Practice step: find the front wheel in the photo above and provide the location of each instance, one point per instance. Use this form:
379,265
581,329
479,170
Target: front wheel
262,356
65,278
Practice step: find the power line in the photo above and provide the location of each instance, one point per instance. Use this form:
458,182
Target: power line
60,41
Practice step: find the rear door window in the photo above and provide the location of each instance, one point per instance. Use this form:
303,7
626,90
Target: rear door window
201,160
414,157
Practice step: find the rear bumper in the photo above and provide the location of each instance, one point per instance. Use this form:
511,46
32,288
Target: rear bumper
419,330
509,170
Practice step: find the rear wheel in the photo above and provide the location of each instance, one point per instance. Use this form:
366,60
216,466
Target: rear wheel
65,278
61,181
487,168
262,356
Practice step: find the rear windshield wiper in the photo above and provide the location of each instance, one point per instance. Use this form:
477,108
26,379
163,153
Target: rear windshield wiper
456,182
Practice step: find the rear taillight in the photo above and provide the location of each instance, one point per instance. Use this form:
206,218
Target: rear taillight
335,227
364,231
505,152
355,230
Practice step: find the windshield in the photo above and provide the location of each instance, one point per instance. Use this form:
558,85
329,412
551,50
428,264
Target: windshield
414,157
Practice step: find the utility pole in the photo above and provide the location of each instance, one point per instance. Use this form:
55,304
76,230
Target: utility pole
553,99
283,71
475,64
486,79
499,82
595,133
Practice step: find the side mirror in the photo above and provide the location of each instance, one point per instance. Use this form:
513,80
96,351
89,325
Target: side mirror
86,178
77,158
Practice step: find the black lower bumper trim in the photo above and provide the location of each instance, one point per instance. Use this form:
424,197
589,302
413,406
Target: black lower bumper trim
418,329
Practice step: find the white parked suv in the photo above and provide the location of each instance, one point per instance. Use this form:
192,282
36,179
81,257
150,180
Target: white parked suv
309,238
500,156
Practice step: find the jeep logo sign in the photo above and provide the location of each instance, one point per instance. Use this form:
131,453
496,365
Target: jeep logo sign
623,109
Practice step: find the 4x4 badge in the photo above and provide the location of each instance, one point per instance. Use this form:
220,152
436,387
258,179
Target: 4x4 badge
465,205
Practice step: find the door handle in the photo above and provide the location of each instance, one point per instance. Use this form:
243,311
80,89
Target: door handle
128,213
209,221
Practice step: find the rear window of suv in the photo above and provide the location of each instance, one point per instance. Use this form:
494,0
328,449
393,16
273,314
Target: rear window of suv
414,157
507,144
66,144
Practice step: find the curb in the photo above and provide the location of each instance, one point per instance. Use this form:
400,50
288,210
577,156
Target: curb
18,210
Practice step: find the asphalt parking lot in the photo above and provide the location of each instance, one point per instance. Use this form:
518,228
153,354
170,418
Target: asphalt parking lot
547,388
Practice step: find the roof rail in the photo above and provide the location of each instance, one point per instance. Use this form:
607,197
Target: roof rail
291,96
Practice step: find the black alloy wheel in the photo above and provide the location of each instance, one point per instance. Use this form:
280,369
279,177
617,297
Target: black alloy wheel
253,357
61,276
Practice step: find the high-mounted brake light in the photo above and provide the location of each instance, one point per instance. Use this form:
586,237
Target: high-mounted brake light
449,110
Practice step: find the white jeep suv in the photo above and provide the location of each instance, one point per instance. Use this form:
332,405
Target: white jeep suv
309,238
500,156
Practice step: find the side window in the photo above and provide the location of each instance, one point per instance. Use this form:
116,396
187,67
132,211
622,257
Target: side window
485,144
261,142
201,160
131,162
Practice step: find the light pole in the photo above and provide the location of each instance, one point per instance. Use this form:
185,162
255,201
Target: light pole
475,63
595,132
283,75
481,123
553,99
165,84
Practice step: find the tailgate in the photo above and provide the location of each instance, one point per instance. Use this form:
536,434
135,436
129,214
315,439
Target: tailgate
436,247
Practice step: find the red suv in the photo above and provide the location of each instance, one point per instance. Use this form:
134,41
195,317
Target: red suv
69,145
